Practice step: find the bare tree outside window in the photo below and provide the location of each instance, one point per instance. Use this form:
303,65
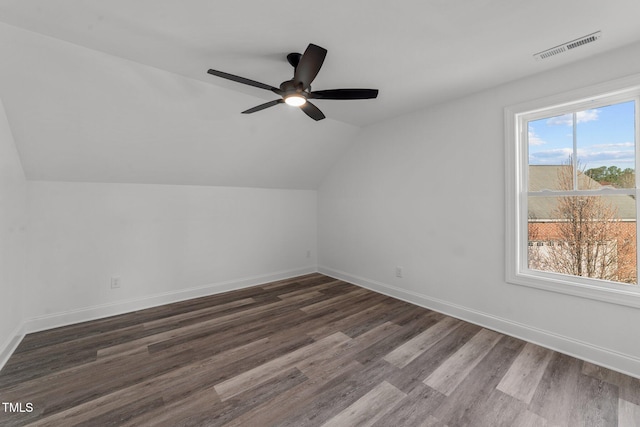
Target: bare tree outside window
585,235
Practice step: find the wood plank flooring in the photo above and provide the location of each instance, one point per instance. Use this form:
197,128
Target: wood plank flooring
307,351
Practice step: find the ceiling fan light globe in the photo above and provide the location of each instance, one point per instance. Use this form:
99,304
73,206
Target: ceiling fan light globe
295,100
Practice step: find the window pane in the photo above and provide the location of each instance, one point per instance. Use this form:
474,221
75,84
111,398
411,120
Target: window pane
589,236
549,144
552,177
606,146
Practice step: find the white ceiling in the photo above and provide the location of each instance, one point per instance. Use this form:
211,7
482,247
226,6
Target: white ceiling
117,91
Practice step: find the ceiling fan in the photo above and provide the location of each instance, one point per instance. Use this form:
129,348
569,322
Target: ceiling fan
297,91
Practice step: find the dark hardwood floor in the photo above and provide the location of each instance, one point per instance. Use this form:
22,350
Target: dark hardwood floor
307,351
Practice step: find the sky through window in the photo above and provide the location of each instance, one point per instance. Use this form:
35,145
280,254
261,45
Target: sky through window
605,137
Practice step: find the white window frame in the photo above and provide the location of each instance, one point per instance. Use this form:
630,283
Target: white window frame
516,191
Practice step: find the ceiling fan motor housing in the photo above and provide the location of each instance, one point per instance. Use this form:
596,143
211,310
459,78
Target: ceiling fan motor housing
289,88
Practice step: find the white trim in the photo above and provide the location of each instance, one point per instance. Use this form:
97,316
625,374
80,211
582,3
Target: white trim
624,363
587,94
606,191
11,344
515,220
85,314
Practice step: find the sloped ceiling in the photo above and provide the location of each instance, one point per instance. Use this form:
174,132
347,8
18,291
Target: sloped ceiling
117,91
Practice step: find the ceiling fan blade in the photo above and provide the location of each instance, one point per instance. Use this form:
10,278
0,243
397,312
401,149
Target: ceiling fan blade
312,111
309,65
344,94
263,106
242,80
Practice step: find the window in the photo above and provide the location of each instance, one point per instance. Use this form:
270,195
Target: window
572,192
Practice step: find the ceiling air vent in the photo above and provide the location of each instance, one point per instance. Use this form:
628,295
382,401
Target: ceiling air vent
568,46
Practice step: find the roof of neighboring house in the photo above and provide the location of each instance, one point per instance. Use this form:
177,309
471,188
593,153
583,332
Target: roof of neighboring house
549,177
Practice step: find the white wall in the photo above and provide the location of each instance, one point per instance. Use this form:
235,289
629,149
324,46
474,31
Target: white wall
164,242
12,239
426,192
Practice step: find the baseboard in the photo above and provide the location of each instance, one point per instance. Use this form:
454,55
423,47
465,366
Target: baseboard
85,314
623,363
11,344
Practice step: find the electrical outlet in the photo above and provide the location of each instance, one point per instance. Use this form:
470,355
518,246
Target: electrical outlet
115,282
398,271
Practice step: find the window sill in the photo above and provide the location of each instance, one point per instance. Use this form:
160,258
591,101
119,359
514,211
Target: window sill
626,295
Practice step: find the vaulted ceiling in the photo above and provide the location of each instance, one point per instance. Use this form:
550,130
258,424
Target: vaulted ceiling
117,91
